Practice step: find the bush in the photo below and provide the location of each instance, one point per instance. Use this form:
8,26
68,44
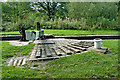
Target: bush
82,24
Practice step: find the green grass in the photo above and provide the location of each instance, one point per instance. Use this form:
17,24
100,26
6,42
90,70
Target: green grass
68,32
10,33
10,50
85,65
79,32
12,72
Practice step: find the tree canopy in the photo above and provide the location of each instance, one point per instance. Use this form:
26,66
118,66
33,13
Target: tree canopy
60,15
52,9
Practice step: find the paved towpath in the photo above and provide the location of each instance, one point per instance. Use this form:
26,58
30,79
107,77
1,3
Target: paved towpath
18,43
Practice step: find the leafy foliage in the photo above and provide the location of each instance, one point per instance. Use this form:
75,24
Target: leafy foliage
52,9
96,15
60,15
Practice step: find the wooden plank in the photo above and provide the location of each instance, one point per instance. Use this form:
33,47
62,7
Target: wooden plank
48,58
47,51
72,49
24,61
19,62
11,62
89,44
61,52
80,45
85,46
58,52
43,53
33,54
51,50
39,53
66,51
35,47
77,47
15,62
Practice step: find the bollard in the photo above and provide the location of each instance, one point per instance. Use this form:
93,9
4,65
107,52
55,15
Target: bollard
97,43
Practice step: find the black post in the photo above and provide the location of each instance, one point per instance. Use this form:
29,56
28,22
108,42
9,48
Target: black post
38,26
22,31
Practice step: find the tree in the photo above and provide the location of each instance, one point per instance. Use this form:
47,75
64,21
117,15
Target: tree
78,10
11,11
52,9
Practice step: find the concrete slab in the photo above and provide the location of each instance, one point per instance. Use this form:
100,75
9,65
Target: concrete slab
18,43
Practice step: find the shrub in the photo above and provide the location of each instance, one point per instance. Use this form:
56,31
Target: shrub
82,24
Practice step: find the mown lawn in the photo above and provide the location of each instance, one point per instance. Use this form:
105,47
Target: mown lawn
10,50
85,65
68,32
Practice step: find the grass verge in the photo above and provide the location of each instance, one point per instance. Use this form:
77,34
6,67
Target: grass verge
68,32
